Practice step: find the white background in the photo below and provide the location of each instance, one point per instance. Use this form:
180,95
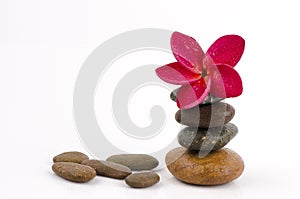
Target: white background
44,43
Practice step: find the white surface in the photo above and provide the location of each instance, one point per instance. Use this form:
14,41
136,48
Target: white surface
44,43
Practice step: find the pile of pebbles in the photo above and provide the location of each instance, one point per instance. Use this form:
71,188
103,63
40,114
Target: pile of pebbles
202,160
77,167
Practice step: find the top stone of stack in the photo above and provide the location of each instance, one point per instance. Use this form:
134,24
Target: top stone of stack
208,100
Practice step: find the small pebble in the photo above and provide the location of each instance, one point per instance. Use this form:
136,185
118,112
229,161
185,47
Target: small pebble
72,156
206,116
135,162
142,179
173,95
218,167
208,100
73,171
108,169
211,139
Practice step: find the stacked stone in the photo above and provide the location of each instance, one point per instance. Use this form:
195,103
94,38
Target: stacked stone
202,160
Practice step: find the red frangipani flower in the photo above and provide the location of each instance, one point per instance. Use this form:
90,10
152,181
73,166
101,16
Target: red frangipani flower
201,73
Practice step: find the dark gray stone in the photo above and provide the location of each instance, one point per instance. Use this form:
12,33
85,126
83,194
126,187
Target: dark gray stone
208,100
206,116
212,139
173,95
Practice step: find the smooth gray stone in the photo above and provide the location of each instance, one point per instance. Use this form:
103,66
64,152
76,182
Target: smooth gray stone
206,116
136,162
212,139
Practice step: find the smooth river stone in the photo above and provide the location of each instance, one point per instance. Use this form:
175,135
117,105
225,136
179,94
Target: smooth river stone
208,100
205,116
72,156
211,139
73,171
218,167
108,169
136,162
142,179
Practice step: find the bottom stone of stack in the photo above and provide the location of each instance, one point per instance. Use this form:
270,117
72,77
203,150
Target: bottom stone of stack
218,167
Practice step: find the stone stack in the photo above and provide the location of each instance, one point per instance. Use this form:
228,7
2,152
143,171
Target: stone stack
202,160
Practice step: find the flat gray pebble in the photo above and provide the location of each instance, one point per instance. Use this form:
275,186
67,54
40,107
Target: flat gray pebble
136,162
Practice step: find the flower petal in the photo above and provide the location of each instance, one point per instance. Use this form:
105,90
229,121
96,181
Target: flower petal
175,73
227,50
225,82
190,95
187,52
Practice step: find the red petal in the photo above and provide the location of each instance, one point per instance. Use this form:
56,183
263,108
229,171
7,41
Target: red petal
190,95
175,73
227,50
225,82
187,52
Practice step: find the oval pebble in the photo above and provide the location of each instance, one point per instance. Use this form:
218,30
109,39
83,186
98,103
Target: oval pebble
208,100
142,179
136,162
218,167
206,116
73,171
72,156
108,169
211,139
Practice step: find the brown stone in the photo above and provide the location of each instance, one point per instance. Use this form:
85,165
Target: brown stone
205,116
72,156
108,169
142,179
216,168
73,171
